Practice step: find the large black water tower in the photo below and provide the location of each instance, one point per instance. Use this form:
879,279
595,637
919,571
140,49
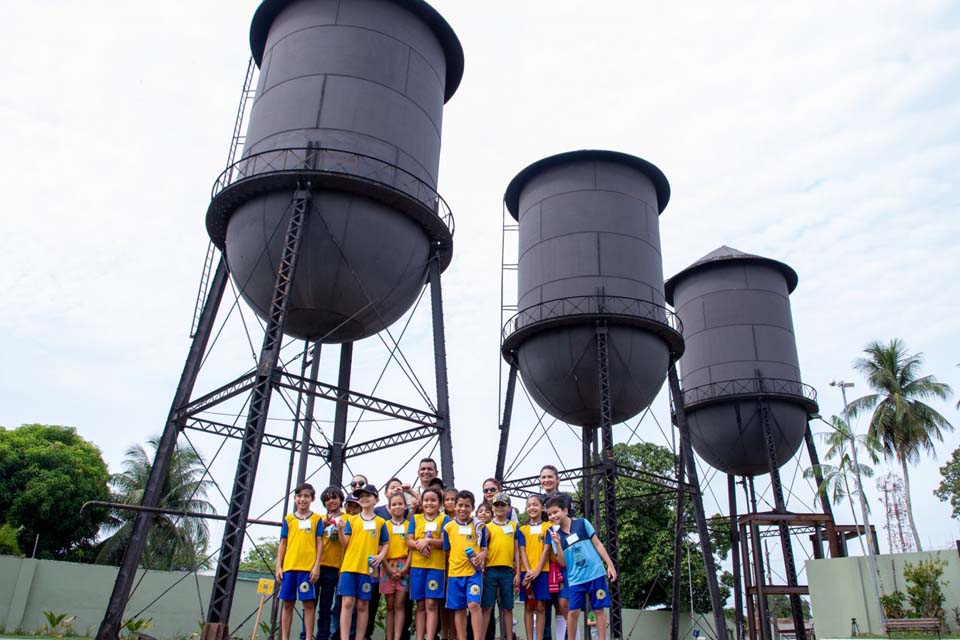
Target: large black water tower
350,100
740,347
589,251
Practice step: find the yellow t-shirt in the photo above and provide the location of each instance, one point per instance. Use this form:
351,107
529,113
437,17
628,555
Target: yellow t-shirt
457,538
532,541
366,536
418,527
301,537
332,555
501,541
398,539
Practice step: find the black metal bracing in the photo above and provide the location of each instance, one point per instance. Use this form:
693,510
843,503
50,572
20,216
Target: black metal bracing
340,415
113,617
735,557
678,533
271,440
713,587
392,440
308,413
224,582
209,400
789,562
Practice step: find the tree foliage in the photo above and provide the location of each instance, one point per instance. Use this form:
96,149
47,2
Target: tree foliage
47,472
900,419
262,558
646,515
174,542
949,489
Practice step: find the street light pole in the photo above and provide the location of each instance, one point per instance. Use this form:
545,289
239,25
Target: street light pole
871,561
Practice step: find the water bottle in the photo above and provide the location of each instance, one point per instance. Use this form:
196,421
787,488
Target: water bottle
370,564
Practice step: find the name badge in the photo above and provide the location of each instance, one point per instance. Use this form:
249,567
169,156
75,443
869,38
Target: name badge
398,529
508,529
304,525
572,538
369,525
430,526
466,530
536,530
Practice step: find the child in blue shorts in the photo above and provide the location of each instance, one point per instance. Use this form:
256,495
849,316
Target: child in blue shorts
466,548
579,549
298,561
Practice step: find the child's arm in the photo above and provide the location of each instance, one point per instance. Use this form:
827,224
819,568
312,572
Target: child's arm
481,558
611,570
406,563
384,546
281,552
543,561
342,532
523,564
516,564
557,551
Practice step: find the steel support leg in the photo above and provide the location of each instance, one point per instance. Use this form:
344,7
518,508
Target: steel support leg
340,416
224,581
113,617
763,611
735,558
677,553
789,562
835,549
507,419
710,565
586,454
609,478
440,366
308,414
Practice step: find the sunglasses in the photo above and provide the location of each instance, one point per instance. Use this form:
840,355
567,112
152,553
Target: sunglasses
489,489
356,484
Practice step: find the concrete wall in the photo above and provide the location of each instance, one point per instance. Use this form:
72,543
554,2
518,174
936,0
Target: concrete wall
840,589
30,587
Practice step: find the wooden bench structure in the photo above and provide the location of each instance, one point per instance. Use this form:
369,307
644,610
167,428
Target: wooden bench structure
913,624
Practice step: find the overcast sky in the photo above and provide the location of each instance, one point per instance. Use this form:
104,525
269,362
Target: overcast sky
823,135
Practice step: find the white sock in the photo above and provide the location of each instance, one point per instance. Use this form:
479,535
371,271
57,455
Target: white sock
559,628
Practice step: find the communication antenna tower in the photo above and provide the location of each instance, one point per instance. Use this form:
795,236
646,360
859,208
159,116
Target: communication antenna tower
896,508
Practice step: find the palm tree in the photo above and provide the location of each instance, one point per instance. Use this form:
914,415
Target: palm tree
836,478
901,420
174,542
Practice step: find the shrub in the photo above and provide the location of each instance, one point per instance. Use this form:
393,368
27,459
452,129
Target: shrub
923,587
892,604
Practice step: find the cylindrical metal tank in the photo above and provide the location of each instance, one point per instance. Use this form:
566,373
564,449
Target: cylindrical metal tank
350,101
589,251
740,348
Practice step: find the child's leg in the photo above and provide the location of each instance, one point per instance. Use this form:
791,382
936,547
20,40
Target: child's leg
432,618
420,619
476,620
601,615
309,617
389,621
347,604
541,612
572,616
286,617
363,609
560,623
529,607
460,620
399,614
507,614
485,616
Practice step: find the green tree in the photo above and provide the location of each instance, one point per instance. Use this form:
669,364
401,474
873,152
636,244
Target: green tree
646,517
840,479
47,473
900,419
949,489
175,542
262,558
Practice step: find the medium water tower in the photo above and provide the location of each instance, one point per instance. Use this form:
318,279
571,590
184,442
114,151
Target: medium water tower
350,100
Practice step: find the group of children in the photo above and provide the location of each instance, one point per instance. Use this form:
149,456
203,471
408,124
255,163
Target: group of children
449,561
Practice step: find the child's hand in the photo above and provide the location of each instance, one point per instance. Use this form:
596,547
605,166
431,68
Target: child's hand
279,574
612,573
314,575
516,581
341,524
530,577
555,536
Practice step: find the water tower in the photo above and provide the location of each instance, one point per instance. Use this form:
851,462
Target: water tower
592,339
746,406
330,225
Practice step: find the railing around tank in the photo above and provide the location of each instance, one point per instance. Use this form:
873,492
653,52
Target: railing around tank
592,305
748,387
339,162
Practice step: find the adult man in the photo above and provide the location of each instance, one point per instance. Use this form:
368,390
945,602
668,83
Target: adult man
426,472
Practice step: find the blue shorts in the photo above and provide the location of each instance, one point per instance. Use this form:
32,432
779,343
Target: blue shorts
296,585
463,590
539,588
497,588
596,589
426,583
355,585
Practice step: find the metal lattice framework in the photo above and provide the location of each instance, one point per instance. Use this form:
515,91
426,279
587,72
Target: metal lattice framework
751,388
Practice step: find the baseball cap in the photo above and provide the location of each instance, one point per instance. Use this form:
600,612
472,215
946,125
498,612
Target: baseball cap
371,489
351,499
502,498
